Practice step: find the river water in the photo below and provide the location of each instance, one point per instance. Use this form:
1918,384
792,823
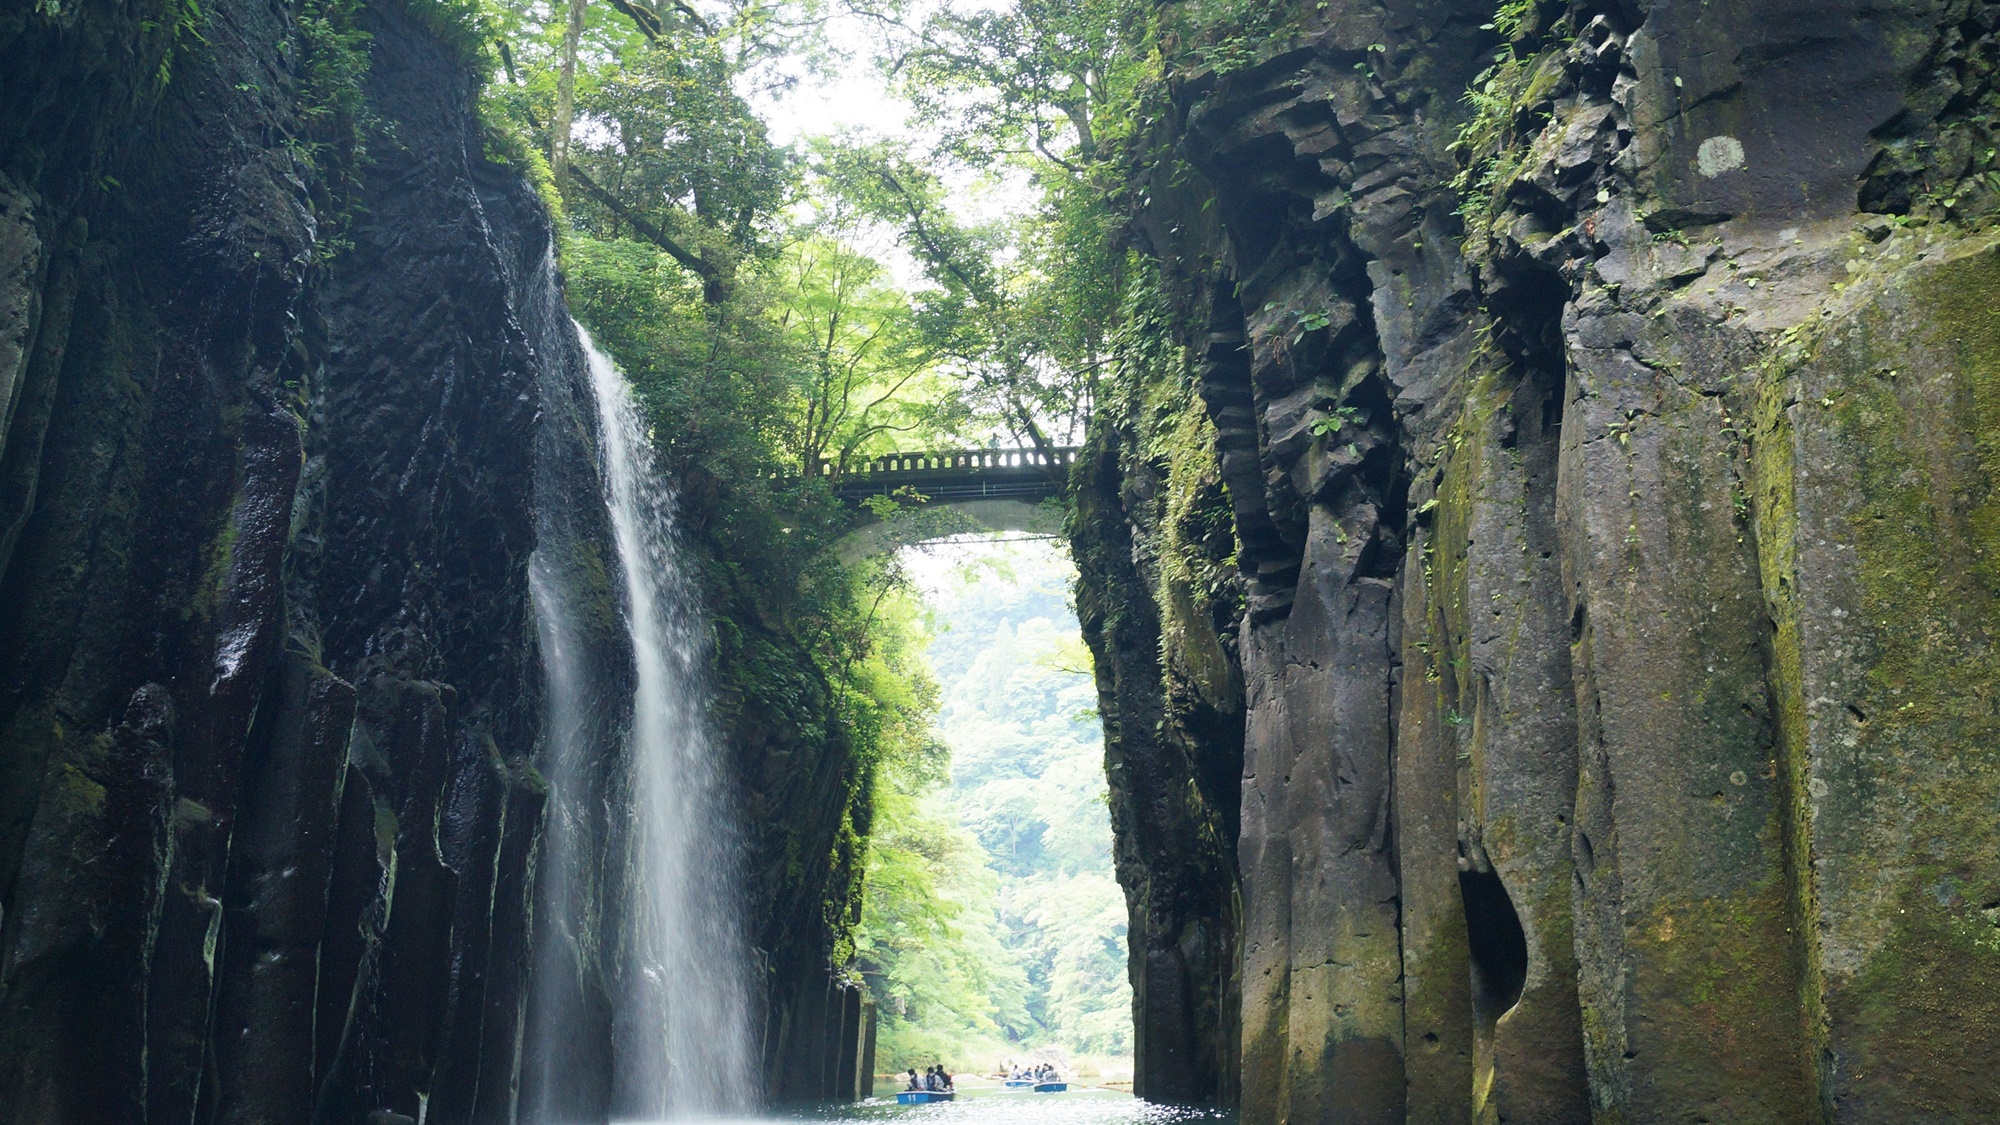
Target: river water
979,1104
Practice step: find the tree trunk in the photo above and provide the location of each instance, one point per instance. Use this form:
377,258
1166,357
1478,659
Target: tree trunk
566,92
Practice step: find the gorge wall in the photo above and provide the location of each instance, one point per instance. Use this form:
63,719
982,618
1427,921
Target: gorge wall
291,394
1595,720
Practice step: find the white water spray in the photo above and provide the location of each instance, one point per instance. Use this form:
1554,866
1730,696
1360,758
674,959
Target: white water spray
680,993
686,933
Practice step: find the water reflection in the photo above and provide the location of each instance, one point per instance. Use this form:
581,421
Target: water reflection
981,1104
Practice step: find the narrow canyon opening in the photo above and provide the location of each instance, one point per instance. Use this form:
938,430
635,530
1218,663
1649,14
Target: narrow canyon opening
1501,635
992,928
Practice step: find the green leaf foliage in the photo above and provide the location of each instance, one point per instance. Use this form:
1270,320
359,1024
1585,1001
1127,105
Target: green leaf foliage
992,925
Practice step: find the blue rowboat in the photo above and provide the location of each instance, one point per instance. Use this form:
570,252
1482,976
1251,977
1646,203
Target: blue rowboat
1019,1083
922,1097
1051,1087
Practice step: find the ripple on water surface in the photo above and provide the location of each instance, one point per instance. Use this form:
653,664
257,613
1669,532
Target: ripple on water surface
991,1105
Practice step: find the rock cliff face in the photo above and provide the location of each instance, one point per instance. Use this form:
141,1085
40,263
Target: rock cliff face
283,424
1603,397
1158,601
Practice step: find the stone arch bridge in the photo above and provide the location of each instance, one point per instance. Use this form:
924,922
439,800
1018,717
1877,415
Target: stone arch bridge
992,489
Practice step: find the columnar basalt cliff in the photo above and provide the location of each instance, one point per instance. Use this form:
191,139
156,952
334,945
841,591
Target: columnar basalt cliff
284,421
1602,398
1157,600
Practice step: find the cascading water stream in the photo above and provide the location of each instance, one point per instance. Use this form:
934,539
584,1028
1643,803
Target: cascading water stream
678,978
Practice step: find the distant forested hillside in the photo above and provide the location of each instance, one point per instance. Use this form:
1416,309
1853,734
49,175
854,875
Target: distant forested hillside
993,924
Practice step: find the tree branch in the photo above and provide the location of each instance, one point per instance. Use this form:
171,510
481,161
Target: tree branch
714,288
649,24
1044,150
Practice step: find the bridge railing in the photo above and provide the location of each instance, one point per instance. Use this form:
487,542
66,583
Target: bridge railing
960,460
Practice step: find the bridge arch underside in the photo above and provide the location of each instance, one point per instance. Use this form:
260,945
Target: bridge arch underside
939,494
946,517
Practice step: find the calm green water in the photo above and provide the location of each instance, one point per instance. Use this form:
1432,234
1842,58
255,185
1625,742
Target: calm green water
991,1105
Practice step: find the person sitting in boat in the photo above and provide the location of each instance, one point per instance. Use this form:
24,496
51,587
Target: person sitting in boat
944,1076
914,1084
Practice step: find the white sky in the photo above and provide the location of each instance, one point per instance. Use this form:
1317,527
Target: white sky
931,565
854,97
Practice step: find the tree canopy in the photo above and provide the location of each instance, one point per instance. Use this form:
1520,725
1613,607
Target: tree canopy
786,311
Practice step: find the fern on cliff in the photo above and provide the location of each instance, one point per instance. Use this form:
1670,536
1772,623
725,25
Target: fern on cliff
1522,68
333,111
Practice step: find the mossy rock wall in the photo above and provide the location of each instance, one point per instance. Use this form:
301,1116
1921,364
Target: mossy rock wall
1158,603
289,399
1600,396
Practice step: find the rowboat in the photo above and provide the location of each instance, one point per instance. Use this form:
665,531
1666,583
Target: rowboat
1051,1087
1020,1083
923,1097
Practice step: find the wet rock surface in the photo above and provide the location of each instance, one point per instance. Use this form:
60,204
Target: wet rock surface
280,438
1169,687
1611,751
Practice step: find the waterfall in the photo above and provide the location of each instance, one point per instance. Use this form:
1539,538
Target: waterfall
677,978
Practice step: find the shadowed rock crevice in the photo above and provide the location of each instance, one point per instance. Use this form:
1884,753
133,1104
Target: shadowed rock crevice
1495,943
